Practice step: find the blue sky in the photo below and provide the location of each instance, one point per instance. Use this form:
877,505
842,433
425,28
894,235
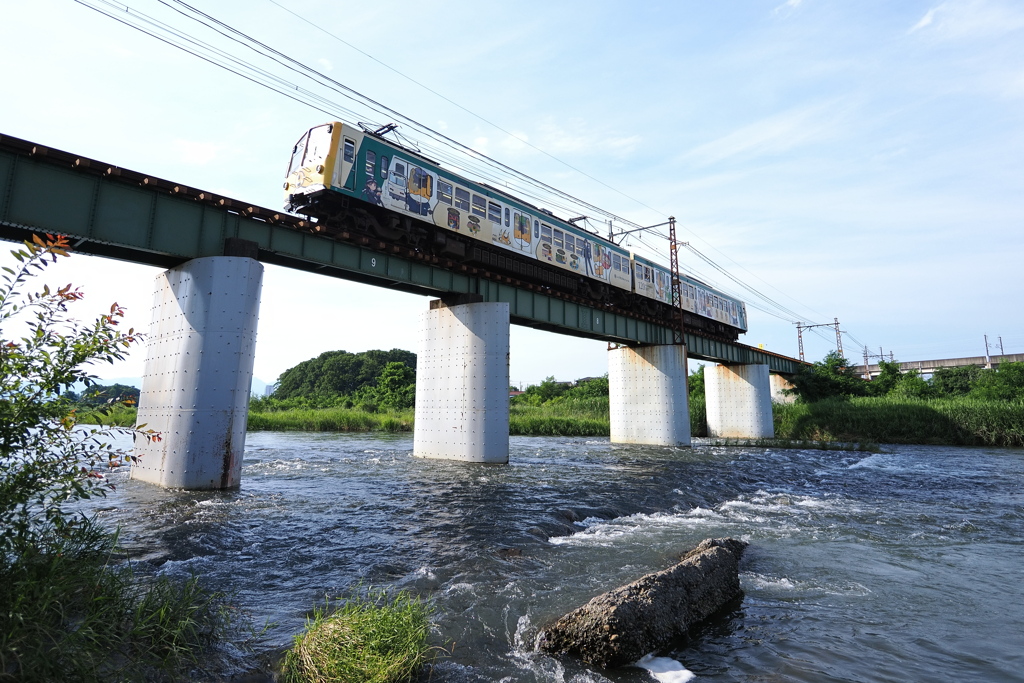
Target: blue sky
853,160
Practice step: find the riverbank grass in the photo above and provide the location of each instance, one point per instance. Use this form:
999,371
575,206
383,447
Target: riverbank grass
67,612
377,638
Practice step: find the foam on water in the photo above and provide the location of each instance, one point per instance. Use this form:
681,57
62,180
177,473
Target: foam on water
665,669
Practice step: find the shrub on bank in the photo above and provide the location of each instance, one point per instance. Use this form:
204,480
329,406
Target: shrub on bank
67,611
373,639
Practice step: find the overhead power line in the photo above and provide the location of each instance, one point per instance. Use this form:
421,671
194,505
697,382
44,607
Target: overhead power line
456,155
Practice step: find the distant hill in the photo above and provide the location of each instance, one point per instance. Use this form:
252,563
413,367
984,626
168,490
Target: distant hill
337,373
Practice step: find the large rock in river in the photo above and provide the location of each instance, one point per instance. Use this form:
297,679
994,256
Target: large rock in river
623,625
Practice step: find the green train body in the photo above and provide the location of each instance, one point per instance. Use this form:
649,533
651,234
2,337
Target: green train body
342,174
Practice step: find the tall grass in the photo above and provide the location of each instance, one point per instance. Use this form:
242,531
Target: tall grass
375,638
331,420
957,421
67,613
569,417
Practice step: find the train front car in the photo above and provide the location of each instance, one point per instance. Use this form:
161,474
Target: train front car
311,166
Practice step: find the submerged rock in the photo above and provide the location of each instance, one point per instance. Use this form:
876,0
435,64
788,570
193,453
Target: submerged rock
623,625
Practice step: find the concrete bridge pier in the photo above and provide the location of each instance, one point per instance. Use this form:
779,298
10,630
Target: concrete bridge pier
739,401
780,385
648,396
462,381
195,389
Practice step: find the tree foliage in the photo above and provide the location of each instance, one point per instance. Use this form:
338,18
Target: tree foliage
338,373
45,461
551,391
1004,383
950,382
831,377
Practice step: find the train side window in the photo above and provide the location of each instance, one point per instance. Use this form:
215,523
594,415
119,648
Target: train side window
383,167
545,232
494,213
616,262
371,162
479,206
350,151
559,238
580,243
507,221
461,199
570,243
444,192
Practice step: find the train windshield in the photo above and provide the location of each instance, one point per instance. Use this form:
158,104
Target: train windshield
312,148
297,153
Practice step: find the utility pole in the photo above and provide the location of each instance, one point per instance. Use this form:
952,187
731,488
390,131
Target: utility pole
800,327
1001,352
988,360
678,333
867,362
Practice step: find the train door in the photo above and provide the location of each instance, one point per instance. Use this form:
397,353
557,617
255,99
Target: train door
521,233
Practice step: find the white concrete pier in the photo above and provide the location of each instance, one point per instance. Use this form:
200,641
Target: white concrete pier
462,383
647,395
780,385
195,390
739,401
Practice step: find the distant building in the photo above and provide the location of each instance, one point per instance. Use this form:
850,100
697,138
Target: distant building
270,388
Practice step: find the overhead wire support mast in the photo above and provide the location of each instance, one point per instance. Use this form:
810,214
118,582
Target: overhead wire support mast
800,327
678,333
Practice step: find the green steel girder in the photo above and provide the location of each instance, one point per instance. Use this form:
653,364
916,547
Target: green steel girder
122,214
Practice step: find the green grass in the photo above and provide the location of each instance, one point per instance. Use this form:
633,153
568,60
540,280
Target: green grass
573,417
959,421
68,613
117,415
331,420
375,638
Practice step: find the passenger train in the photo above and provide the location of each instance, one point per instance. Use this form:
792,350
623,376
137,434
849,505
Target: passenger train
348,175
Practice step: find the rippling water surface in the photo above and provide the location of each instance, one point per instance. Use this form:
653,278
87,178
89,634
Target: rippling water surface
900,566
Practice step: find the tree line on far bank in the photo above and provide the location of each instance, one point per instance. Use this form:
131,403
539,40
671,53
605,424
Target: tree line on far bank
834,377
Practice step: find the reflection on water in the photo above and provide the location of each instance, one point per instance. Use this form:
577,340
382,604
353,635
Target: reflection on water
896,566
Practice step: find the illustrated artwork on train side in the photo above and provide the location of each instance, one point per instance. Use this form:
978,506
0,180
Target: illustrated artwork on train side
335,161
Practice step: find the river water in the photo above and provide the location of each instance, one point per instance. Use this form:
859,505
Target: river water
906,565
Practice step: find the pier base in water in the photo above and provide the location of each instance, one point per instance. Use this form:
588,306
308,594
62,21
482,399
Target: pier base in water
739,401
647,395
195,389
462,383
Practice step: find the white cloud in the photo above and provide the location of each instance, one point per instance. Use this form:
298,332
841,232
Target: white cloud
789,5
926,20
970,20
773,135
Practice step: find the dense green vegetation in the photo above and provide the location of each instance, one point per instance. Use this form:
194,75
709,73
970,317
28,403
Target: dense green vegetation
329,420
69,609
964,406
374,638
340,374
895,419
